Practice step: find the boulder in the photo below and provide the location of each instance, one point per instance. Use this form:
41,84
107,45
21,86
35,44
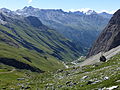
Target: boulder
112,88
103,59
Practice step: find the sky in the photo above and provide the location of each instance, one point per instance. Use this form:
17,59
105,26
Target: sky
73,5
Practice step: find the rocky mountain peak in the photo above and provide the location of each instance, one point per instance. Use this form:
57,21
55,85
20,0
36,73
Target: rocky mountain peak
5,10
30,7
34,21
116,18
89,12
105,14
109,38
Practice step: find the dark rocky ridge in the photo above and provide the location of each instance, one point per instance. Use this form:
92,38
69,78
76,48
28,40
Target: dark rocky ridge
109,38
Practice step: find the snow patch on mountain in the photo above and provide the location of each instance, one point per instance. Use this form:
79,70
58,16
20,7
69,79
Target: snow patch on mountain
89,11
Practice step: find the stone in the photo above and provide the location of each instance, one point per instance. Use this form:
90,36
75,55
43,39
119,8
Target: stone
4,88
118,81
97,81
27,87
68,82
12,89
20,79
106,78
74,83
103,59
59,71
84,77
89,82
60,86
22,86
111,88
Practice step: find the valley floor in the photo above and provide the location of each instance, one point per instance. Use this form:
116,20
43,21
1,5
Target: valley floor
100,76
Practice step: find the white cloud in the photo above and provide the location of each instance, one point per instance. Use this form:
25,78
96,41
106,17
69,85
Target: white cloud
29,1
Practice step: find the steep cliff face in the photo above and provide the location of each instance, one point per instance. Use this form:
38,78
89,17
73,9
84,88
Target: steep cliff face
109,38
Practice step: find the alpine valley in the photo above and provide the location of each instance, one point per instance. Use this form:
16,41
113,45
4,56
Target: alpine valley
46,49
76,26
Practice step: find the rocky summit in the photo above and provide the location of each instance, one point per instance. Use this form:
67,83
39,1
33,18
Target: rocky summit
109,38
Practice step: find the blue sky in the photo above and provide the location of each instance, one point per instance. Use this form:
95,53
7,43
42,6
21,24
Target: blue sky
97,5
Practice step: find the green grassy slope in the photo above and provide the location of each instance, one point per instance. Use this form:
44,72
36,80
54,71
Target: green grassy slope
92,77
28,41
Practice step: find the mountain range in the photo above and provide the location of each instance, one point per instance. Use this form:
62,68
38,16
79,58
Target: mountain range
26,43
38,45
76,26
39,39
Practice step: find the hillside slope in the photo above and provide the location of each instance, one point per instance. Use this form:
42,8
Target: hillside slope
100,76
26,43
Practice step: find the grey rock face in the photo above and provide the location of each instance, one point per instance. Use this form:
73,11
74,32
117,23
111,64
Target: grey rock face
109,38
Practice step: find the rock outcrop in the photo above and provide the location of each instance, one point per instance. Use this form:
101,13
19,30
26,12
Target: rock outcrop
109,38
